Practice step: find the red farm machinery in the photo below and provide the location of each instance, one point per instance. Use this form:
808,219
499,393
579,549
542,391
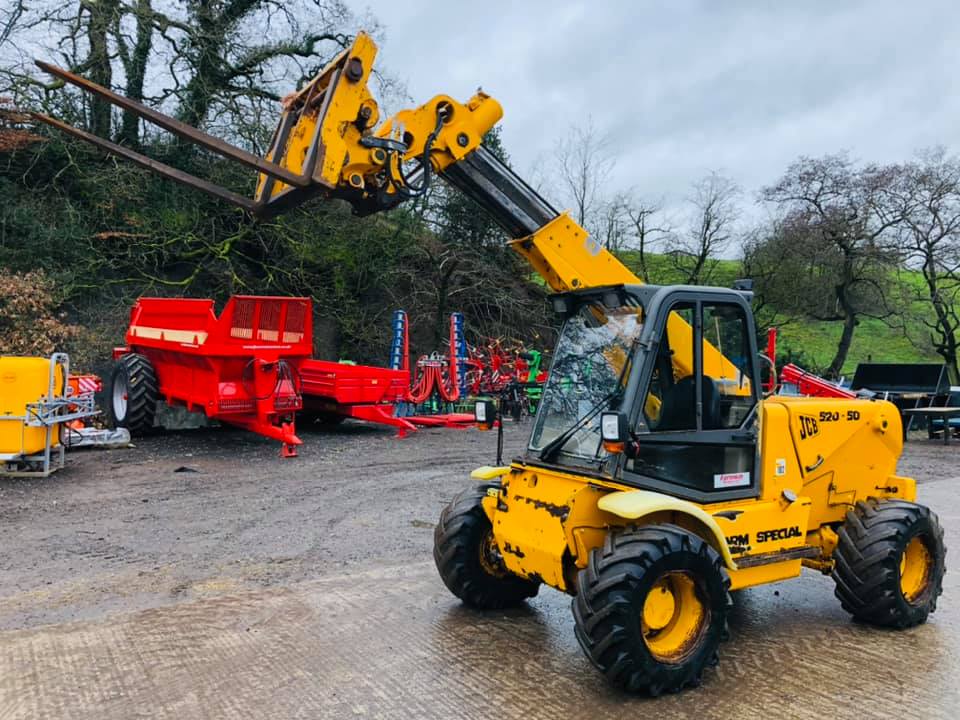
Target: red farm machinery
440,382
249,367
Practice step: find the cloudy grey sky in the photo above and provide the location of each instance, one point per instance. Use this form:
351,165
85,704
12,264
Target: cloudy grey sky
684,87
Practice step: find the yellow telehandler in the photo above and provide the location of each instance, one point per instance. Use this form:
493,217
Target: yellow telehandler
657,479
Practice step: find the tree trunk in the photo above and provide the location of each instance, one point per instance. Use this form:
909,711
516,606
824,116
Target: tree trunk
440,327
950,359
843,348
206,48
136,70
644,273
946,344
100,14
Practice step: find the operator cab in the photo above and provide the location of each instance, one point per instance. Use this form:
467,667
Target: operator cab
679,364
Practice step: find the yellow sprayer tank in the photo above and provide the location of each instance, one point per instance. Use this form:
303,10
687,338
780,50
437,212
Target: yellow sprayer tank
25,380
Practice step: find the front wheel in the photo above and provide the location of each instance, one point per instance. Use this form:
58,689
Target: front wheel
890,563
468,559
651,608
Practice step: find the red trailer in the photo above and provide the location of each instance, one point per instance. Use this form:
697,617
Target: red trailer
249,367
357,391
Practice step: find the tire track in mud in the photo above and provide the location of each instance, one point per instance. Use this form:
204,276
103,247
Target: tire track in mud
391,643
249,614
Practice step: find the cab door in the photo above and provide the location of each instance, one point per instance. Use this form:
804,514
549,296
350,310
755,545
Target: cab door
697,421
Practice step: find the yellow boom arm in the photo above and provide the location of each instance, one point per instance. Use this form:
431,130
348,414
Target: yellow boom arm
328,143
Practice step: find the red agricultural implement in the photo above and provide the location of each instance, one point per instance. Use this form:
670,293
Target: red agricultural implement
363,392
249,367
812,385
805,382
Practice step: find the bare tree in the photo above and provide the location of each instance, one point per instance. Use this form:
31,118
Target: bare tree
9,19
648,230
929,241
614,224
715,210
222,65
584,163
840,217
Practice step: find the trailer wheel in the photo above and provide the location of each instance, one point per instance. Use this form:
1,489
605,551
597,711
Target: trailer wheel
651,608
133,393
890,563
467,557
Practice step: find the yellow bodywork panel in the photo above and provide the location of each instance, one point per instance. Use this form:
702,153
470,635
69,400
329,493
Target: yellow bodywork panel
547,521
637,504
326,123
835,452
488,472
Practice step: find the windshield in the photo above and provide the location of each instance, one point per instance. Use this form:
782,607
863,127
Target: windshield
590,369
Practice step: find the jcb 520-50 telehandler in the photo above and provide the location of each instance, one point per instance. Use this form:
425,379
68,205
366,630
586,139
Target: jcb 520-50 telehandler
657,479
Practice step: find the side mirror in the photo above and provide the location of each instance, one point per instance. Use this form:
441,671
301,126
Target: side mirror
615,431
485,413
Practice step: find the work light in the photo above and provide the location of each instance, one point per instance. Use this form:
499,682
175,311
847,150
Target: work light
485,413
614,431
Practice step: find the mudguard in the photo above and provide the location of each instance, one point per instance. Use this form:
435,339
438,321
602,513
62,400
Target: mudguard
635,504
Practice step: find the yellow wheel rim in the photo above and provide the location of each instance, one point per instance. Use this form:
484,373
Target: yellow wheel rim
490,558
916,567
674,617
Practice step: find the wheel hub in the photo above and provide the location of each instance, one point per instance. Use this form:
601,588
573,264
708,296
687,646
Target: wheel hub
916,568
490,558
674,617
659,607
119,398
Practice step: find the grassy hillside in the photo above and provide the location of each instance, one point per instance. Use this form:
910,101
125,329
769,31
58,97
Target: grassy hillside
812,343
873,341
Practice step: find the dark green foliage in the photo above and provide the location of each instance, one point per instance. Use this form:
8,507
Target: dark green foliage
107,232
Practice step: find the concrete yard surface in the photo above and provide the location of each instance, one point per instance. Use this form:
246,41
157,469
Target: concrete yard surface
250,587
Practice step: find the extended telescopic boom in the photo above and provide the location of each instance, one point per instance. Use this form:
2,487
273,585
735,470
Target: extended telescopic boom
328,143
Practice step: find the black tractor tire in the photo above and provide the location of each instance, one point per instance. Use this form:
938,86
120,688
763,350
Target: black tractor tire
466,556
609,608
867,571
136,381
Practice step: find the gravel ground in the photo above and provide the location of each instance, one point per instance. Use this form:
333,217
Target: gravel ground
199,575
195,513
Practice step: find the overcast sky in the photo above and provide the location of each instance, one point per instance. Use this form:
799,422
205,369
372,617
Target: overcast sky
683,88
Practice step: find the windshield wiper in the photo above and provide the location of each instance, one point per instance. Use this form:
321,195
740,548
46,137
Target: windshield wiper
551,448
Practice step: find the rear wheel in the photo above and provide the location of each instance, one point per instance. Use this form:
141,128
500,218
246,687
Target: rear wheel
651,608
469,560
890,563
133,393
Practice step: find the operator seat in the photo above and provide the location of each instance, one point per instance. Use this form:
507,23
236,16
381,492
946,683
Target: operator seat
679,409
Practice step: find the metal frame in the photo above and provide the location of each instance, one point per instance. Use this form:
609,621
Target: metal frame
47,412
660,302
301,185
657,301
